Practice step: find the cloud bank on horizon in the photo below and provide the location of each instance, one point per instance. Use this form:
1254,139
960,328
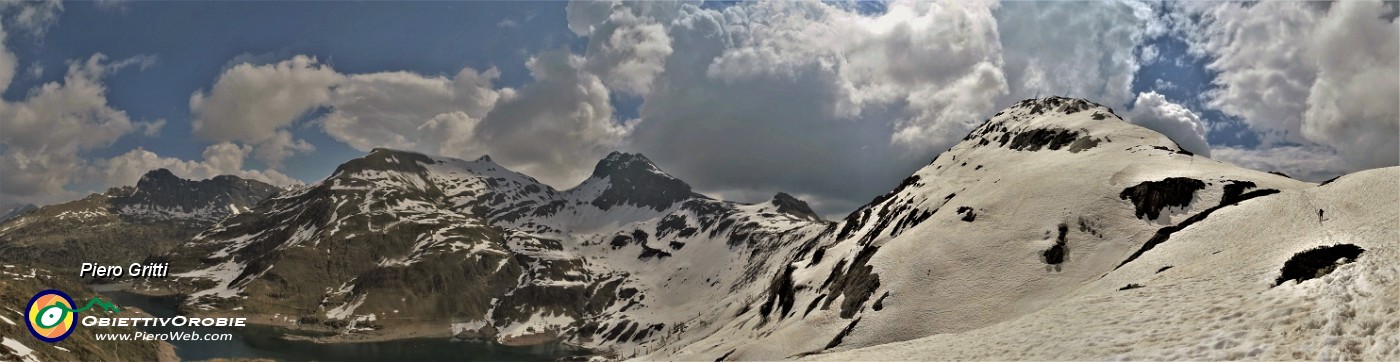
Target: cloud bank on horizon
742,100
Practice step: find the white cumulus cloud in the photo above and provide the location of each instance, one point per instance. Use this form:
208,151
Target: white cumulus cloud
1154,111
1322,74
256,104
558,126
404,110
1079,49
45,133
219,159
553,128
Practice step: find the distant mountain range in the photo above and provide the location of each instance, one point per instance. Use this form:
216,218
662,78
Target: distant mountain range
11,211
1053,219
125,224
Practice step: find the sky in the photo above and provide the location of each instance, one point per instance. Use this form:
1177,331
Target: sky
834,102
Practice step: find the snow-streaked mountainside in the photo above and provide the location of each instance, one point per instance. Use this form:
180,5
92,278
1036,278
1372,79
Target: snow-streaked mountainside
1038,205
1014,243
125,224
398,243
1212,291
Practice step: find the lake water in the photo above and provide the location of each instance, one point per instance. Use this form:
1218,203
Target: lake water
257,341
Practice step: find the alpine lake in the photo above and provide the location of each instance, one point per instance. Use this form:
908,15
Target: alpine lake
267,342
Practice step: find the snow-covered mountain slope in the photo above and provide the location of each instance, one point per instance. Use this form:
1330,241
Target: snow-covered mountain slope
398,243
1044,198
126,224
1213,292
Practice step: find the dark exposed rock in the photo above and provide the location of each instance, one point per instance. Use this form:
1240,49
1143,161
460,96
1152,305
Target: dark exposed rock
781,294
883,219
1038,138
1149,198
1316,262
634,180
880,303
817,256
1233,189
856,284
620,241
1178,149
1131,286
1164,269
670,224
864,211
650,252
792,206
813,305
968,214
842,335
1165,233
613,334
836,272
384,159
1056,254
627,336
726,355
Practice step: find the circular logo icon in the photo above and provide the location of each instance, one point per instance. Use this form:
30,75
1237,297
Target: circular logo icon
50,315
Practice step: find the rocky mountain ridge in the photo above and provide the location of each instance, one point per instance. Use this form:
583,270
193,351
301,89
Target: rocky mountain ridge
484,251
126,224
1049,207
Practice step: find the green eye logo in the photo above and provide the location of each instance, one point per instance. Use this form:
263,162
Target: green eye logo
50,315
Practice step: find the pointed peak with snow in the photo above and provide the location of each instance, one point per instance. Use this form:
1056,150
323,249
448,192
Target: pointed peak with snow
631,178
790,205
621,163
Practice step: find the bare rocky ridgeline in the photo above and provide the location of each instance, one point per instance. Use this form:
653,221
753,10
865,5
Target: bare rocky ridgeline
125,224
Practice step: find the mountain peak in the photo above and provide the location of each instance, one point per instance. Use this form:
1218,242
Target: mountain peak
790,205
162,193
1058,104
634,179
385,159
625,163
157,177
1058,123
